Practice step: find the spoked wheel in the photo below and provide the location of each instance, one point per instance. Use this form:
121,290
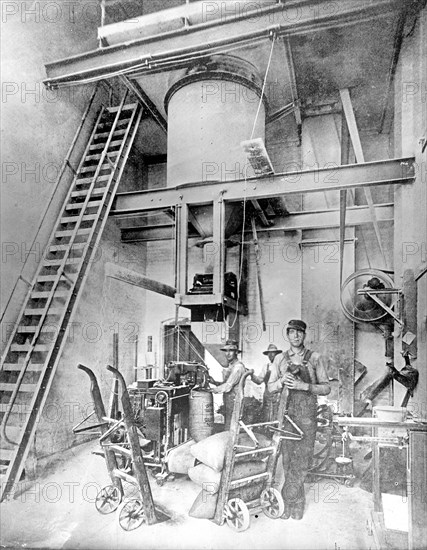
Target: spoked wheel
108,499
131,515
272,503
237,514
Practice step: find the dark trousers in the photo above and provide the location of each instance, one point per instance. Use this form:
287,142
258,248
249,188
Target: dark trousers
229,399
297,456
270,407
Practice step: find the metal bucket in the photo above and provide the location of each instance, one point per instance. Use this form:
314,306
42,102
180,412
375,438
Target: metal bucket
201,418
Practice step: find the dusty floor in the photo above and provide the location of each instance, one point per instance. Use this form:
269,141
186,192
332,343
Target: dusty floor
58,512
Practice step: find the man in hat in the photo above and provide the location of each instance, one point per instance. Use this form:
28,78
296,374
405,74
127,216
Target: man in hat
300,375
270,400
231,376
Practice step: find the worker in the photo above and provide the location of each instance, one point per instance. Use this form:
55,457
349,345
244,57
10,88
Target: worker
300,375
270,400
231,376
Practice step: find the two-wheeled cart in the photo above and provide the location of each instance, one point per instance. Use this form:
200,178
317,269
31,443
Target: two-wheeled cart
235,505
139,507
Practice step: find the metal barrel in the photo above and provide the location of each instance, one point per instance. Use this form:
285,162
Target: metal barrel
201,418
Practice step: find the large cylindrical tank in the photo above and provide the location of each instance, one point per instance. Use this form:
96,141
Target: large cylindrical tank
201,417
211,109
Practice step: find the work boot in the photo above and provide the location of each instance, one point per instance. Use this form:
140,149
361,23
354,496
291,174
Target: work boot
297,511
287,512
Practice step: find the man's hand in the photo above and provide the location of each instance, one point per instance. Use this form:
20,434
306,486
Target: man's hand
213,381
293,383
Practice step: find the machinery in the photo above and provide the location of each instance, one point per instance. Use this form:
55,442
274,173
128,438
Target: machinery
162,412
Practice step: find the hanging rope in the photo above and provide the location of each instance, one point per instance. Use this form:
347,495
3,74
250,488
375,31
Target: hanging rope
242,244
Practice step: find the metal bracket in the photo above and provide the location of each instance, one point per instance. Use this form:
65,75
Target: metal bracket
373,294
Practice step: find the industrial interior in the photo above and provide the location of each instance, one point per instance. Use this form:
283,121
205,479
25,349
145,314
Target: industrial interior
186,174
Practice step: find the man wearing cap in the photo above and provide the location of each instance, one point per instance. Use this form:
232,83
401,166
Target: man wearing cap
270,400
300,375
231,376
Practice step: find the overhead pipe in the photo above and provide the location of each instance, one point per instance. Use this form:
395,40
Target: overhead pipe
165,60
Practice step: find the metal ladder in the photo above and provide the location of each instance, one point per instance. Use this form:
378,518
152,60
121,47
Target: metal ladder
33,351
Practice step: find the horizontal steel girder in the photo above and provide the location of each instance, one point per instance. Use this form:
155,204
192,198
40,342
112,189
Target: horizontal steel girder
350,176
326,219
295,17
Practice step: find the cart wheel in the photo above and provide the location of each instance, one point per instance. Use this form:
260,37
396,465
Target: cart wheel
272,503
160,481
237,514
108,499
349,482
131,515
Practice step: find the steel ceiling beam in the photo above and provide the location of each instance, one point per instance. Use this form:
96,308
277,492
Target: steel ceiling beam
325,219
386,172
360,158
159,52
146,102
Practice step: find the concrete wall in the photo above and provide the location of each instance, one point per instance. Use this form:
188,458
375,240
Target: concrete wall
38,128
410,227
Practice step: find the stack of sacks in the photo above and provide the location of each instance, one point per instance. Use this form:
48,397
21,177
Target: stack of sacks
180,459
211,454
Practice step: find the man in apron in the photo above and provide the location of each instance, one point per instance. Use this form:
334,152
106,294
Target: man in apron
270,400
231,378
300,375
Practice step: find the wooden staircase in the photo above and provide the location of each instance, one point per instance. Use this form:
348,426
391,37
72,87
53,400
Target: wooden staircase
32,354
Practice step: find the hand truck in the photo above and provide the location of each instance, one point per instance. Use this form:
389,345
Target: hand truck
131,512
231,508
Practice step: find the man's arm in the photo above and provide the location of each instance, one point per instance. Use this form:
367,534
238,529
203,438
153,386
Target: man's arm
259,379
275,382
322,387
233,379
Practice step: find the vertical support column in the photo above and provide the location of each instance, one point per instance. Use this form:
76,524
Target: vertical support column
417,481
218,239
181,248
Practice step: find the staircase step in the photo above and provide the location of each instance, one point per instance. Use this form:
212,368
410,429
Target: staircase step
59,261
37,294
65,247
69,233
126,107
73,219
105,127
106,134
31,329
24,348
40,311
20,409
98,156
78,206
25,388
93,168
17,367
98,146
98,191
85,181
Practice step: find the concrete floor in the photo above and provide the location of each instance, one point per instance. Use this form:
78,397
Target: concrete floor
58,512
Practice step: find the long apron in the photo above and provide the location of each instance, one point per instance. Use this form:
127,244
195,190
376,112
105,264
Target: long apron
229,398
297,456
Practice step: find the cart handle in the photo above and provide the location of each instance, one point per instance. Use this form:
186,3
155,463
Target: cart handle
95,391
